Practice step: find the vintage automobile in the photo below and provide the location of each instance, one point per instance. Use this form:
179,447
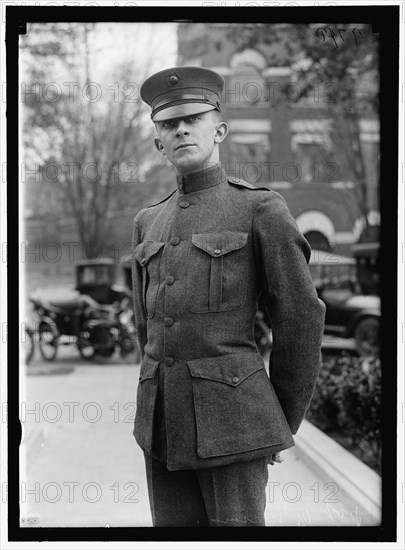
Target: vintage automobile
67,317
96,316
349,312
97,278
105,281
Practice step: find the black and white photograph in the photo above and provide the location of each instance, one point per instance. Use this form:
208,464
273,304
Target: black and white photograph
204,306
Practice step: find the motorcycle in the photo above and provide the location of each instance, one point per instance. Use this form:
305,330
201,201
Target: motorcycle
94,328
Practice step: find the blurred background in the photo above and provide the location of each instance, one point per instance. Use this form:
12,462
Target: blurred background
302,104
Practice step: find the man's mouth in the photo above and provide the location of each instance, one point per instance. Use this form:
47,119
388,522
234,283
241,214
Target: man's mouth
184,145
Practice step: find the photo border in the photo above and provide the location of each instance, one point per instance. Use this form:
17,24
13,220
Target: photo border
384,20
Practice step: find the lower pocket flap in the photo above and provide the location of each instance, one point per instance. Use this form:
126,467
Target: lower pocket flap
148,368
226,369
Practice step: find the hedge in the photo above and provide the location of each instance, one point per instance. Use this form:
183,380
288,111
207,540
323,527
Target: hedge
347,405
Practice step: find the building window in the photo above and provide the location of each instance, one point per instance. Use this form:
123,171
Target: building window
245,87
250,148
312,148
370,150
318,229
249,57
317,240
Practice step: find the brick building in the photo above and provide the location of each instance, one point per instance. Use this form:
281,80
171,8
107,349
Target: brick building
283,143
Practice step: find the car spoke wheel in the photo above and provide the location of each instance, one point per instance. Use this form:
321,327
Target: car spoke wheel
86,349
29,346
367,336
128,341
48,342
104,336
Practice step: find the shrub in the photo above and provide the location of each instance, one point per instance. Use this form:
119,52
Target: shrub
347,403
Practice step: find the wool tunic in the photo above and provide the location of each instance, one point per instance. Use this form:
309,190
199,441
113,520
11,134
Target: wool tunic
201,258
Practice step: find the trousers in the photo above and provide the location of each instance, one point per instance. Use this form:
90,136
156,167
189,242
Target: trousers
226,496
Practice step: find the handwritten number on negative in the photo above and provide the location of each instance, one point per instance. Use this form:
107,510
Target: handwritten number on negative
327,32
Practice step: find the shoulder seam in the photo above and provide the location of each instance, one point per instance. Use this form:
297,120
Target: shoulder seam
139,214
162,200
246,185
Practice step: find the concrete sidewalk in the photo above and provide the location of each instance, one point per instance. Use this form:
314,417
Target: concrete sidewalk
83,467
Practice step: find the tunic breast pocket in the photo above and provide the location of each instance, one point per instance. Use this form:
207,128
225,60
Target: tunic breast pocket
216,278
148,254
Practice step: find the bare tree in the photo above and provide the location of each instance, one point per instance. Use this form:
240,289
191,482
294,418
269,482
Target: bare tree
91,143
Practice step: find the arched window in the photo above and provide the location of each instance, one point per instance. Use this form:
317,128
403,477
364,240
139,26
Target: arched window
318,229
245,87
318,241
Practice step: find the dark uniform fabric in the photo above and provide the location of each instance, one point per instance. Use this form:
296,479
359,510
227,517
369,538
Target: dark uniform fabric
201,257
225,496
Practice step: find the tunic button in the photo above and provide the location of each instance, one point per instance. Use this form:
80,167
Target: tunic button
143,261
235,379
169,361
169,321
169,280
184,204
174,241
217,251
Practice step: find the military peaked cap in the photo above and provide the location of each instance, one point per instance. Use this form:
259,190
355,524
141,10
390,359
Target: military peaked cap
182,91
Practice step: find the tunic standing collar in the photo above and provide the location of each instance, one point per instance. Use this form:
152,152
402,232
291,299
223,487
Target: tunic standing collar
209,177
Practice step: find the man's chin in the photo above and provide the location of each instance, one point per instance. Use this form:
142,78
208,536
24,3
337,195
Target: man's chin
187,167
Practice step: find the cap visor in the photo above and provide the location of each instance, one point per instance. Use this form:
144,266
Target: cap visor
184,109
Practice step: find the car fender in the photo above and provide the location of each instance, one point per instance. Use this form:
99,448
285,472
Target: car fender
368,312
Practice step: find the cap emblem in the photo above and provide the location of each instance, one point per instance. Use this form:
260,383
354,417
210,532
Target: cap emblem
173,79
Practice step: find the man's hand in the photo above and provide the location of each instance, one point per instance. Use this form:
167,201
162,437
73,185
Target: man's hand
276,457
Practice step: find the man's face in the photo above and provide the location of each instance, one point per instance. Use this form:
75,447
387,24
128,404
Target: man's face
191,142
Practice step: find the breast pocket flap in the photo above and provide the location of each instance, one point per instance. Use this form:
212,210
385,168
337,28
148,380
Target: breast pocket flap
144,251
218,244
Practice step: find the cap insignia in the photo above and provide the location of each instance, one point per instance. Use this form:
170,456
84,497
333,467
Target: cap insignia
173,79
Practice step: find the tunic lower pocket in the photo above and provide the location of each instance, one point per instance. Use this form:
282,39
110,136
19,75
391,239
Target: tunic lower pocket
145,403
236,408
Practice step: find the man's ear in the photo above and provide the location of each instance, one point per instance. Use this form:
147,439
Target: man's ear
159,145
221,131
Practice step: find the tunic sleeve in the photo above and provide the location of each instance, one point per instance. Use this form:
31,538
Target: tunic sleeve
139,307
296,313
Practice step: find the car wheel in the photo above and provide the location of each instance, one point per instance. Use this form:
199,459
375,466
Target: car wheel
367,336
48,341
85,347
128,341
29,345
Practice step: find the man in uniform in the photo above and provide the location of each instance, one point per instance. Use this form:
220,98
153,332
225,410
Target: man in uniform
209,419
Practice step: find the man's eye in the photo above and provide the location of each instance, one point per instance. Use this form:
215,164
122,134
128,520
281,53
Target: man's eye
168,124
193,118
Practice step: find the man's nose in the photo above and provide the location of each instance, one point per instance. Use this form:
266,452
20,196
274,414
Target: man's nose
182,129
